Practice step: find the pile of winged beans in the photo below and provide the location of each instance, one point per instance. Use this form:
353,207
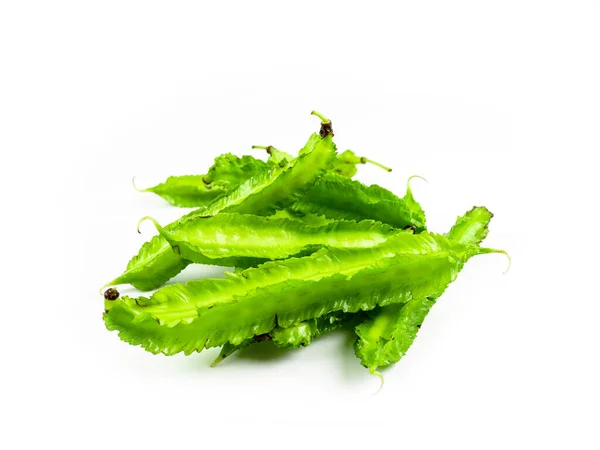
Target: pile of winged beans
313,250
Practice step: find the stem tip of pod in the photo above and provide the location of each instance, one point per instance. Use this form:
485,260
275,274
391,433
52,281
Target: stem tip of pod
326,128
364,160
152,219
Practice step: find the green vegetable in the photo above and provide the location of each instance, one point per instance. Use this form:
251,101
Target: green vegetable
387,334
263,194
229,239
209,313
226,172
229,349
154,265
377,196
337,197
469,229
312,251
280,186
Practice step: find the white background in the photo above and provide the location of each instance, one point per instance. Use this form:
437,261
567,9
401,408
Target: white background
496,104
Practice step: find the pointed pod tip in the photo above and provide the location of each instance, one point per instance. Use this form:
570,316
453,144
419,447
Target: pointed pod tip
416,176
152,219
219,359
484,250
380,376
505,253
135,186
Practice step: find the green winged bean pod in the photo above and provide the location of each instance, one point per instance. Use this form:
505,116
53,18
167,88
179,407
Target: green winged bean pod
263,194
279,187
226,172
386,335
209,313
229,349
231,239
337,197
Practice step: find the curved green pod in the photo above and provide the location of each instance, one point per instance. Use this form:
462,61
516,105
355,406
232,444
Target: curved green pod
386,335
337,197
229,349
226,172
154,265
472,227
187,190
278,187
209,313
273,189
228,239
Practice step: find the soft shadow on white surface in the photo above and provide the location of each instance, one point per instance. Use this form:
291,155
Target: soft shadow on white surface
260,352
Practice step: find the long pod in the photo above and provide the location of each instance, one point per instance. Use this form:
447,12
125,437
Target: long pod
384,337
229,171
231,239
275,189
226,172
337,197
209,313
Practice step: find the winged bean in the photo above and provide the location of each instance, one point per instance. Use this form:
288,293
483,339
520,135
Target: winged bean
212,312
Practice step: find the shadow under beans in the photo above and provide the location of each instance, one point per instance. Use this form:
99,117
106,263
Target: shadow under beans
262,351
